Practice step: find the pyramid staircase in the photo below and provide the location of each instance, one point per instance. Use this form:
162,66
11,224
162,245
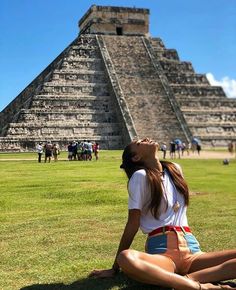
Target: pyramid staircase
141,83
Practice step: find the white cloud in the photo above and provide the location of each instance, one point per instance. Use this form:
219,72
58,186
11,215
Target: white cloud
229,85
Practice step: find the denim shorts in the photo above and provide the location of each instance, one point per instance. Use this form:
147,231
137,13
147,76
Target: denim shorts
181,247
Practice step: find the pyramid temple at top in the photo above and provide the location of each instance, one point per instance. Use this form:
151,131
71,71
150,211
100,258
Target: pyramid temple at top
113,83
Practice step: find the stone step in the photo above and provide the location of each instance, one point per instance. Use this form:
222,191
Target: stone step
72,111
92,61
19,144
65,138
174,67
76,94
208,111
199,93
90,51
63,131
199,122
92,110
95,60
83,116
204,100
70,97
98,77
90,46
157,43
70,105
67,124
207,104
186,78
78,65
74,84
169,54
76,88
215,139
212,131
185,92
71,134
78,72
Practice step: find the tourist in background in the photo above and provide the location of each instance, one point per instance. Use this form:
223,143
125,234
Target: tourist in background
39,149
164,149
80,150
89,150
189,146
85,150
55,151
231,147
96,150
74,150
48,151
179,149
172,149
199,148
70,151
183,148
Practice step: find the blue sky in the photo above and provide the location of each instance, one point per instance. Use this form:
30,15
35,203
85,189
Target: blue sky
34,32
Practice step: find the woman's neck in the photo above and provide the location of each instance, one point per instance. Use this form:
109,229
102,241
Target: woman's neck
154,164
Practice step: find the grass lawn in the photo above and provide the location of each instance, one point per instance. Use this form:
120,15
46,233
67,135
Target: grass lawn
61,220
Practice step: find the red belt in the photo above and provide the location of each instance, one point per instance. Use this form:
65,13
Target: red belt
169,228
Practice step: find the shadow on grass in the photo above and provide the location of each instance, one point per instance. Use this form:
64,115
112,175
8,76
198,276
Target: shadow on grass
119,282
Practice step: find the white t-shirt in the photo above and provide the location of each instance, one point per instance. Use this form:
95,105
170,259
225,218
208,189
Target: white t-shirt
39,148
139,198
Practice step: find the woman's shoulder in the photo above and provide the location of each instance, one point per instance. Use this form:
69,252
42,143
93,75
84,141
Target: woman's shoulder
140,172
137,181
138,175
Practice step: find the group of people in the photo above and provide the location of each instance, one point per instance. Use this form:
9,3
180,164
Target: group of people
158,198
177,148
231,147
76,151
83,150
49,149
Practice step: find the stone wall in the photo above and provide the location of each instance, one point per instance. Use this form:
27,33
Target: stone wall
115,20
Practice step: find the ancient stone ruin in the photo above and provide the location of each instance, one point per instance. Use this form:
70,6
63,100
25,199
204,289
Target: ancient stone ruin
113,83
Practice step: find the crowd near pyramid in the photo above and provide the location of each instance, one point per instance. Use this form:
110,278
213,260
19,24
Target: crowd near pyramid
113,83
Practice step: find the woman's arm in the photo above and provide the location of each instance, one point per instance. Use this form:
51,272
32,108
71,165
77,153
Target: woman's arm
129,233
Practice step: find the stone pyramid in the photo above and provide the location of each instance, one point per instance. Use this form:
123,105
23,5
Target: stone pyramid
113,83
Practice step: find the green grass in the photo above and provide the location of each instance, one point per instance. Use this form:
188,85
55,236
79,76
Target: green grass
61,220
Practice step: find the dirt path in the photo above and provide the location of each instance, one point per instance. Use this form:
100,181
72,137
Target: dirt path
207,155
203,155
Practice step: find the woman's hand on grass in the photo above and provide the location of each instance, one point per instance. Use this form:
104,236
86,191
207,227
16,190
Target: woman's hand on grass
103,273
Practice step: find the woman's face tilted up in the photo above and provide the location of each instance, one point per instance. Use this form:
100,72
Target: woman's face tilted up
144,149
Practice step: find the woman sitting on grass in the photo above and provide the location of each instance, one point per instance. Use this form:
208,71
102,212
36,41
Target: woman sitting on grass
158,200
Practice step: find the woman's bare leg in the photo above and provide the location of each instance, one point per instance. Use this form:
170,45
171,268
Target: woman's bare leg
157,270
213,267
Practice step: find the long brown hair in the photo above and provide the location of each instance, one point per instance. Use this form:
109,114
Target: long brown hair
154,179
